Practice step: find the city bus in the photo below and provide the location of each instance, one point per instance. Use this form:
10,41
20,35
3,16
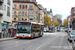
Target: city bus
58,29
51,29
29,30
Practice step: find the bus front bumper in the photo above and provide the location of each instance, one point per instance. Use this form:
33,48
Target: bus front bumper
23,36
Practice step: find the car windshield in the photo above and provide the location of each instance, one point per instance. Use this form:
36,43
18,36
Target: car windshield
24,29
44,28
50,28
72,33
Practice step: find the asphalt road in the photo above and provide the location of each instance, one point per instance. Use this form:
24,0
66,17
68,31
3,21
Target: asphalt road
49,41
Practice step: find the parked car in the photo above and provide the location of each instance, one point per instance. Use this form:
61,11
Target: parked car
71,36
45,29
73,43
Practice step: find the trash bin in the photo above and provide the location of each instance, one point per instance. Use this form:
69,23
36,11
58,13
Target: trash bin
0,35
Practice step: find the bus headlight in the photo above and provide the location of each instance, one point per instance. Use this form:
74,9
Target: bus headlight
29,35
16,34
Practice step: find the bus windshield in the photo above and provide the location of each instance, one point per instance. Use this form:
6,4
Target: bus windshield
24,29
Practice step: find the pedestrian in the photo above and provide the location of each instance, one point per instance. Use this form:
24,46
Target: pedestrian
14,33
11,32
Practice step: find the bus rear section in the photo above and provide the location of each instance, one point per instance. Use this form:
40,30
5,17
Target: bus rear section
28,30
58,29
51,29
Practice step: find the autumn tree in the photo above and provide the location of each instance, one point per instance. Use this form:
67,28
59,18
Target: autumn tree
65,22
59,20
56,23
47,20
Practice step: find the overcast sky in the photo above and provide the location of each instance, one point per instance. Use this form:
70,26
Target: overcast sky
62,7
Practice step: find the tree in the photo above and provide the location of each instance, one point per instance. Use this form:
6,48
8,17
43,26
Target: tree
59,20
47,20
56,23
65,22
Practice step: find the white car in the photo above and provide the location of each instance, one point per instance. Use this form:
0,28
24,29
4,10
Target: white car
71,36
73,43
45,29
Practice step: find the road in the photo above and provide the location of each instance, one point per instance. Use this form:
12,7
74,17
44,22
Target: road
49,41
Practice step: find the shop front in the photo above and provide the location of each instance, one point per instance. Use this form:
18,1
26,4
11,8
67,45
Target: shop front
73,24
4,29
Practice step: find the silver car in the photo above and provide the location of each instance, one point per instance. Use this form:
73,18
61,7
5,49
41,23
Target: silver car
73,43
71,36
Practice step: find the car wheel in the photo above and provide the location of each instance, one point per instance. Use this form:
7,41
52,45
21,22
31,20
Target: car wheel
73,48
70,41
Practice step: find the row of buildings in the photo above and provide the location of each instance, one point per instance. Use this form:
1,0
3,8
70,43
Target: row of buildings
71,19
14,11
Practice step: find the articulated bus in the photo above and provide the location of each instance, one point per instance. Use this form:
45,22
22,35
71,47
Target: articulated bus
52,29
29,30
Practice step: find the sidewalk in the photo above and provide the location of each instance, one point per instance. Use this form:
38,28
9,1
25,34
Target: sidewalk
5,39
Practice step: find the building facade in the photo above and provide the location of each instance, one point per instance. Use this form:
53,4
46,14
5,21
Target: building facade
73,17
5,15
42,13
50,14
25,10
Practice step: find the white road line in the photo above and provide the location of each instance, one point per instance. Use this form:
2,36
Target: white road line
45,43
70,46
17,45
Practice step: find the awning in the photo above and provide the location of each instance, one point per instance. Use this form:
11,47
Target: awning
10,27
4,23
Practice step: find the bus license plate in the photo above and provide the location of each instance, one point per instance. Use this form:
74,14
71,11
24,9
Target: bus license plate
23,37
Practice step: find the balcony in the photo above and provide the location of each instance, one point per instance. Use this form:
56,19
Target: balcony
1,12
1,1
24,1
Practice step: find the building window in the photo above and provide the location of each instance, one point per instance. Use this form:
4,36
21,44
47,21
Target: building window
30,6
4,7
8,11
74,12
19,6
22,13
14,5
74,8
14,19
28,0
25,19
8,2
19,13
14,12
31,20
25,7
22,6
22,19
25,13
31,0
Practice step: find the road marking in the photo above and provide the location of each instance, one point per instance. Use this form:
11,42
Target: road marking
70,46
45,43
17,45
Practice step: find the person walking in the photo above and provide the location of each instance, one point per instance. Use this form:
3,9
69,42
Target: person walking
14,33
11,32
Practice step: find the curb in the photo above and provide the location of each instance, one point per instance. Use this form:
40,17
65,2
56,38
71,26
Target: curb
1,40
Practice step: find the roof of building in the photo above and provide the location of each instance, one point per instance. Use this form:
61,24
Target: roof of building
48,12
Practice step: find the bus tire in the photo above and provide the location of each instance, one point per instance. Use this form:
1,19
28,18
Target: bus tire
33,35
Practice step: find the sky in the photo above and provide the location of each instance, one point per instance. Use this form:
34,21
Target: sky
62,7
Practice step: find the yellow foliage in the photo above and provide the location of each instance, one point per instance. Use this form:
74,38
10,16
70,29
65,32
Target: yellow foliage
65,22
47,20
56,23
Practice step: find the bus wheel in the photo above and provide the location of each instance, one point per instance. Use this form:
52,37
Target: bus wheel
40,35
33,35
